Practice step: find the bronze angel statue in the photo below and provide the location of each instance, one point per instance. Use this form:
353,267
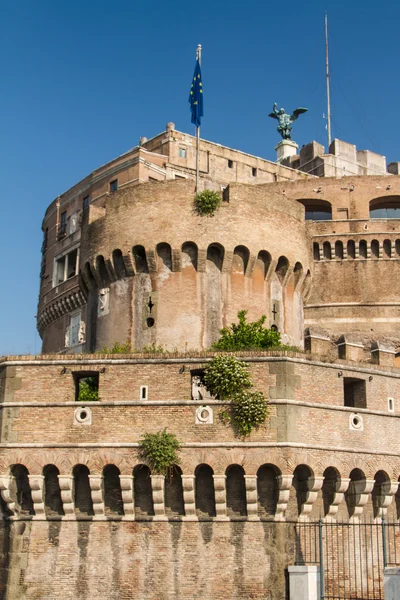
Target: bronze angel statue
285,120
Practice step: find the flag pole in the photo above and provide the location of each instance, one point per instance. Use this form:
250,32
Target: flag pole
198,57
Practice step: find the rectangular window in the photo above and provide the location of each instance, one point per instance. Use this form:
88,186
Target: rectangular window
86,386
86,202
66,266
182,152
62,230
114,185
354,392
230,164
254,172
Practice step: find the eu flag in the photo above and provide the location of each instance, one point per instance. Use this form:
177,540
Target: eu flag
196,96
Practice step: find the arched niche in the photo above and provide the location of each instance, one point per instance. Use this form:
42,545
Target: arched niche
189,255
282,268
339,249
82,493
174,505
240,260
52,492
215,255
164,255
140,259
316,209
362,249
102,270
236,505
204,491
267,490
118,264
112,491
263,261
143,495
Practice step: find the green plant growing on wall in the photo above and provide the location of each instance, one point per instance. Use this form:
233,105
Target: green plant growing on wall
160,451
154,349
207,202
227,378
118,348
248,410
88,389
246,336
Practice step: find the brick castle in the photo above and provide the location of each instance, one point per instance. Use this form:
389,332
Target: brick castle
312,242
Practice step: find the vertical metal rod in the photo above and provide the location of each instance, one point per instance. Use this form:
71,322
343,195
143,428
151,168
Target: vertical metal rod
198,57
384,543
379,559
328,85
321,563
343,559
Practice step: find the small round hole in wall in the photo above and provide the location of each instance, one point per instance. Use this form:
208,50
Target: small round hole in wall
150,322
356,422
83,415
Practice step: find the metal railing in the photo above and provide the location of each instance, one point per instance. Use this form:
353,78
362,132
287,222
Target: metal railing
352,556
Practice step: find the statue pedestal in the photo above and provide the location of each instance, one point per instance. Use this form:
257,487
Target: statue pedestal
284,149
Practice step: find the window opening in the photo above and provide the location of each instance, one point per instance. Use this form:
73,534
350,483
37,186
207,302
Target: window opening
354,392
230,164
86,386
391,404
144,392
114,185
66,266
182,152
86,202
254,172
62,230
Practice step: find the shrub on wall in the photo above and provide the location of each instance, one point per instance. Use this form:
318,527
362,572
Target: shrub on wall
227,378
207,202
247,336
160,452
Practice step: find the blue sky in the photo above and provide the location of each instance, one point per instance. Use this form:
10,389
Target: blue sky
83,81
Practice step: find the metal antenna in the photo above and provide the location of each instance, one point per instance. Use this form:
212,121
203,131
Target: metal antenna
328,89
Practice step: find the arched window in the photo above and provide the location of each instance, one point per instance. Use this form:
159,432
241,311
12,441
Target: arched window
24,496
374,249
351,249
119,265
316,251
204,491
362,249
174,504
327,251
83,496
380,492
387,207
356,487
112,491
330,487
143,494
297,273
301,478
339,249
317,210
267,490
235,491
387,248
52,493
